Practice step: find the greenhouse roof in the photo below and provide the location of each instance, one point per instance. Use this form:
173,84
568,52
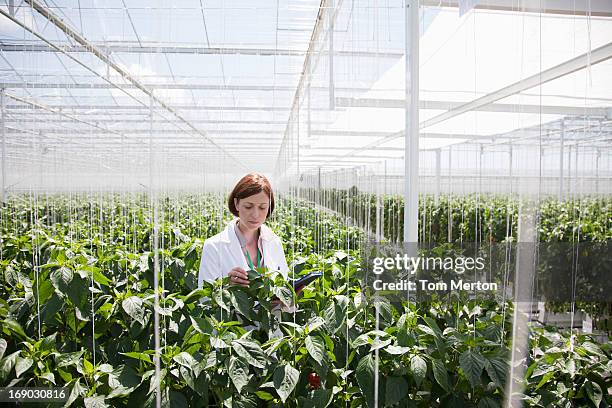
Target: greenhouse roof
248,83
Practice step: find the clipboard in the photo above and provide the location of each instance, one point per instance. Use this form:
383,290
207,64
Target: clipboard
306,280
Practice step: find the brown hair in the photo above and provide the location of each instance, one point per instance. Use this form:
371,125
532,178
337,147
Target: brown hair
251,184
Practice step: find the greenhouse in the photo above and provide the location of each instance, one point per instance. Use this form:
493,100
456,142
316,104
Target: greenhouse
299,203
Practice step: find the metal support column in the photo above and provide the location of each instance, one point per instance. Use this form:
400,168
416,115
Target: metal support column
569,172
576,179
153,203
411,154
378,210
450,186
480,154
510,162
308,112
561,154
4,177
332,93
597,157
523,287
438,174
382,216
318,197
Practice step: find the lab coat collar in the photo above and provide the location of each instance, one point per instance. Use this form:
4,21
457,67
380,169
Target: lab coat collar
228,235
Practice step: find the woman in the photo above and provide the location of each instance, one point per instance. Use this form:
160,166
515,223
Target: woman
246,243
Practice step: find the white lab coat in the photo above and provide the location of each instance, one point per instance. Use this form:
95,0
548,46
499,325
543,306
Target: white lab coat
221,253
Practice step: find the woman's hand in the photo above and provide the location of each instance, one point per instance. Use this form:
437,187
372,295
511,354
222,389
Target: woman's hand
238,276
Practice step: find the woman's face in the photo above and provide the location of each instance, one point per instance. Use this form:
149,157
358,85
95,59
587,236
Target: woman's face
253,210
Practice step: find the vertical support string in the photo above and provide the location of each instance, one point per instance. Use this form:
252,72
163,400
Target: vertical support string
155,249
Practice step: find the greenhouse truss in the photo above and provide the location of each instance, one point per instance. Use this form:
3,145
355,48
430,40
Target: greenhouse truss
440,178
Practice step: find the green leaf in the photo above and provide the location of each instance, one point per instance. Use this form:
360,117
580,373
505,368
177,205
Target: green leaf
335,315
243,303
2,347
570,366
201,325
95,402
78,293
593,390
48,343
365,378
49,377
314,323
164,311
22,364
87,366
319,399
138,356
68,359
284,294
100,278
396,350
133,307
316,349
76,391
196,295
418,366
67,377
285,378
7,364
186,360
238,372
123,380
497,369
396,390
61,278
221,297
472,363
251,352
377,343
440,374
15,327
218,343
431,323
266,396
245,401
44,289
362,340
592,348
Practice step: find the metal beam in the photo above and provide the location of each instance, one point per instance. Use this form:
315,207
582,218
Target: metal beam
187,86
424,135
178,107
377,103
327,156
128,47
599,8
497,107
169,85
118,119
168,132
35,105
582,61
596,56
306,69
59,23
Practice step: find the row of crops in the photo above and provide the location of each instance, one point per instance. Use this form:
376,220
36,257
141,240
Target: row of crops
471,218
77,310
563,228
